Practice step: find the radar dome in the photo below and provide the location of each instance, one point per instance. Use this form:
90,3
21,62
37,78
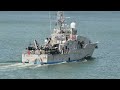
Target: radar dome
72,25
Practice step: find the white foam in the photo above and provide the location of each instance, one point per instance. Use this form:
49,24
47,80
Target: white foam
16,65
84,60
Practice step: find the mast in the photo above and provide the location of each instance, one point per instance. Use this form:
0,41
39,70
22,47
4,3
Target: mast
60,19
50,20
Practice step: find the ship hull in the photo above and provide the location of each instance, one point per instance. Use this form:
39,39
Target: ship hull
73,55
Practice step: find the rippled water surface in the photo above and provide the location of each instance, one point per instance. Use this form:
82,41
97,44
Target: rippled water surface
19,28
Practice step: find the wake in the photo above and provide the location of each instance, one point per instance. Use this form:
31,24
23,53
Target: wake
20,65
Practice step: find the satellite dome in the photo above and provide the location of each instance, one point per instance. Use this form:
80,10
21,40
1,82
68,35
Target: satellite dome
72,25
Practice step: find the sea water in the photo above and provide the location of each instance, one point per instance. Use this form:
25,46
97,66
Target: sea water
19,28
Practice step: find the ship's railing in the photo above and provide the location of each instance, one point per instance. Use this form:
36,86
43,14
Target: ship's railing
41,51
64,31
31,52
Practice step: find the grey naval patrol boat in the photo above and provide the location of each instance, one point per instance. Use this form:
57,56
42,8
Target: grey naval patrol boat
63,45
